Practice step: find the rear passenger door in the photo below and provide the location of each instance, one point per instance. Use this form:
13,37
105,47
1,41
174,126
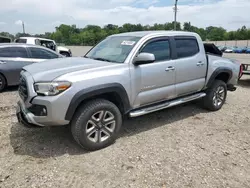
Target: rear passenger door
41,54
191,65
12,60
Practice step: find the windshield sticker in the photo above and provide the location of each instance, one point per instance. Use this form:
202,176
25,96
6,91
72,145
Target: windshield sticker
126,42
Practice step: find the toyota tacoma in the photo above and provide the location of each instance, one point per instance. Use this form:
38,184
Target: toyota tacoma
125,75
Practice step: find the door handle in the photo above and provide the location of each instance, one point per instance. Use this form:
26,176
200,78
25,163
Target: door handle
200,63
171,68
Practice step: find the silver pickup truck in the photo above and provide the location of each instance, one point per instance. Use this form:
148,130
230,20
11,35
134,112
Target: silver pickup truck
130,74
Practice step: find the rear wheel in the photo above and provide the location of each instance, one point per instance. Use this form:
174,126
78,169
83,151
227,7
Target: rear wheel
66,54
96,124
2,83
216,96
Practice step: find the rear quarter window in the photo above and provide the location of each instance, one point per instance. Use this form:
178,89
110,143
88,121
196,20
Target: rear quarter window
186,47
40,53
21,40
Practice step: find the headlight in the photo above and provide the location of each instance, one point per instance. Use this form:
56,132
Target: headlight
51,88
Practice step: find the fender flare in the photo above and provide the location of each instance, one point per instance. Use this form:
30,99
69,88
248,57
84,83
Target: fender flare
84,94
217,72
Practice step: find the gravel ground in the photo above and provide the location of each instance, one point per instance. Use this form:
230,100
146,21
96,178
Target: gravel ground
184,146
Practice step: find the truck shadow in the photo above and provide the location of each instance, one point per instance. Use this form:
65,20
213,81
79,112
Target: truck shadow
161,118
10,89
56,141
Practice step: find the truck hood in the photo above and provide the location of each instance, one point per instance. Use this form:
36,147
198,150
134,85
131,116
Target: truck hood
61,48
50,69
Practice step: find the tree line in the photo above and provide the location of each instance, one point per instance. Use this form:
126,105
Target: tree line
91,34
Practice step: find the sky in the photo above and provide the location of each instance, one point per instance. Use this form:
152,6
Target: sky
42,16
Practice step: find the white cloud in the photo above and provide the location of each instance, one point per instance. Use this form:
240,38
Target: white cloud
230,14
18,22
2,23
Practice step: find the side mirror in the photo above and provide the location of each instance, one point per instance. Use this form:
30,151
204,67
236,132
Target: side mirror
144,58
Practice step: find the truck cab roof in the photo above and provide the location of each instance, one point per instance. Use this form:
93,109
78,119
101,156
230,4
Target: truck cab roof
33,38
158,32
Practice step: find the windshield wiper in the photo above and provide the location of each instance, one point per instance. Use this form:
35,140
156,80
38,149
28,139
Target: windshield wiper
101,59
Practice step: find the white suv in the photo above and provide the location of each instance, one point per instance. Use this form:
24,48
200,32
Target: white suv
46,43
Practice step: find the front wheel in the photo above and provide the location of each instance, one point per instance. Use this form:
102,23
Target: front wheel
2,83
96,124
216,96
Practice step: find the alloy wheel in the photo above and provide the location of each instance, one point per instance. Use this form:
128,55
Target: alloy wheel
100,126
1,83
219,96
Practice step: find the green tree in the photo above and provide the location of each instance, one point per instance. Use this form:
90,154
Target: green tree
6,34
215,33
91,34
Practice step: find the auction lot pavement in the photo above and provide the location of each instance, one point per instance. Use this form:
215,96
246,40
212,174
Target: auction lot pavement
184,146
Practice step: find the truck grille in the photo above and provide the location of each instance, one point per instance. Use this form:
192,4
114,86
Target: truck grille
23,89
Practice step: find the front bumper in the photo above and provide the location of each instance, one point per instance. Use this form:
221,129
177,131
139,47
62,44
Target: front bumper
28,119
24,117
40,110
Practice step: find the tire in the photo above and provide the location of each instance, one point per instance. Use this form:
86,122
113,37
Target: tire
88,124
3,83
216,96
66,54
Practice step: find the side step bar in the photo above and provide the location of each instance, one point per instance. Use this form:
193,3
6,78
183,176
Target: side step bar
164,105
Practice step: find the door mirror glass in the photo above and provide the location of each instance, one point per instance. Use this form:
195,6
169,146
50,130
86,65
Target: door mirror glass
144,58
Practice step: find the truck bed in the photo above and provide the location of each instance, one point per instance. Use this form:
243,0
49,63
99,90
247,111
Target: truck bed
210,48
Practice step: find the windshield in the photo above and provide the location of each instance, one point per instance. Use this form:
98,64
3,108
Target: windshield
113,49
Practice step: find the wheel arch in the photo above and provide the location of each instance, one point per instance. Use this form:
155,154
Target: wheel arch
224,74
64,52
113,92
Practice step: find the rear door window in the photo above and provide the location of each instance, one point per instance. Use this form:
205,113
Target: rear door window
186,47
40,53
13,52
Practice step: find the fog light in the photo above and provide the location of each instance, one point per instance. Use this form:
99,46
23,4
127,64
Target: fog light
38,110
44,111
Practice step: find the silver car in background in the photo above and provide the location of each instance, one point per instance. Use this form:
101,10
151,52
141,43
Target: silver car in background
14,56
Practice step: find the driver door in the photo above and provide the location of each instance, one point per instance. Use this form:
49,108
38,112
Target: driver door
155,82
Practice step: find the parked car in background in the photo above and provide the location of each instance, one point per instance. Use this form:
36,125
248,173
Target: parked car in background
4,39
48,43
239,50
13,57
248,50
229,50
222,48
130,74
244,49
